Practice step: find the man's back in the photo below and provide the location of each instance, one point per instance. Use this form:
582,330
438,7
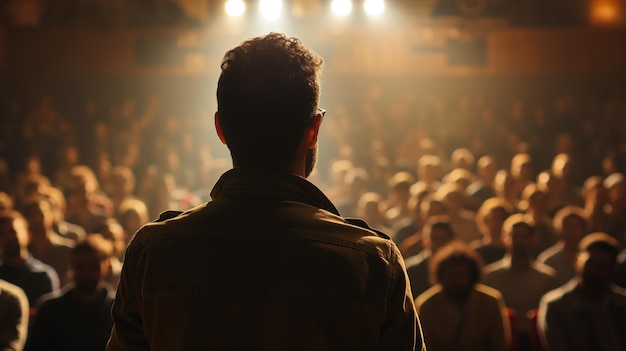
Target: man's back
266,265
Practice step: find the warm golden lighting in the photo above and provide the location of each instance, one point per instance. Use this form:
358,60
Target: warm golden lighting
604,12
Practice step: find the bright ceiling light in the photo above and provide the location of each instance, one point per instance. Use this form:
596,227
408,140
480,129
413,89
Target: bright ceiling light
341,7
271,9
374,7
235,8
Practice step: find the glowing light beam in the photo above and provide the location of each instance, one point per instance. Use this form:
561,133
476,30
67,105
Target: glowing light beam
235,8
374,7
341,8
271,9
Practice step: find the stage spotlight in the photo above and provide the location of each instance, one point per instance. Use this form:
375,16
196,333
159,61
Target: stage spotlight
374,7
271,9
341,8
235,8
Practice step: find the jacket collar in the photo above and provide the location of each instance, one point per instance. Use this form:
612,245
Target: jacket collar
271,184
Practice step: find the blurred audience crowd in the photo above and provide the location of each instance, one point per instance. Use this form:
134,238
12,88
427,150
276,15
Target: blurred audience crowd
511,218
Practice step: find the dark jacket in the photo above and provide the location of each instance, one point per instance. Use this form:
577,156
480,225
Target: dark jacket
569,321
267,265
66,323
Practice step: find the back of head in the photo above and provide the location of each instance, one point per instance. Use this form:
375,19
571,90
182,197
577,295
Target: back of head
267,94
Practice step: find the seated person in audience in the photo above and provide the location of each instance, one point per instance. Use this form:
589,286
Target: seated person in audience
370,208
14,313
6,202
490,218
596,198
483,188
413,244
113,232
356,182
428,173
588,313
414,222
31,185
505,188
462,221
121,186
521,171
460,176
521,280
399,195
132,215
79,317
437,233
570,224
45,244
562,170
17,265
459,313
86,206
64,228
462,158
615,210
547,183
533,205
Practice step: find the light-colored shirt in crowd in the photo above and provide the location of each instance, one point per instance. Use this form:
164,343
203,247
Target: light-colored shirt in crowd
563,264
480,325
522,289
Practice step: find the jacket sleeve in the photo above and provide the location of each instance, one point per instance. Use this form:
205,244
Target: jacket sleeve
128,332
402,331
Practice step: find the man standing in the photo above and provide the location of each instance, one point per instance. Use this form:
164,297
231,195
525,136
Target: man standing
268,264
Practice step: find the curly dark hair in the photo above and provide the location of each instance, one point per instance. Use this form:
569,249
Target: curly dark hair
455,253
267,93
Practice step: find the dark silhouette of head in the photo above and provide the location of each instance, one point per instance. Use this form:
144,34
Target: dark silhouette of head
457,268
596,261
267,95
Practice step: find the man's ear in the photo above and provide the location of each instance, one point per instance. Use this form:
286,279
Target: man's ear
311,132
218,128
